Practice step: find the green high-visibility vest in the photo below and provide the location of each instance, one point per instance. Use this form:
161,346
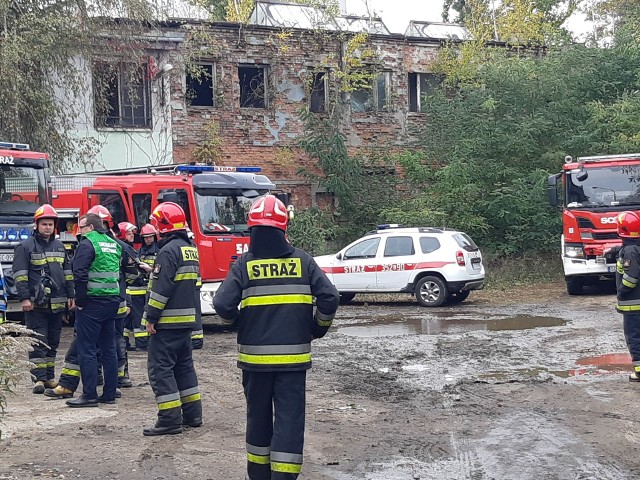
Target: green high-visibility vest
104,272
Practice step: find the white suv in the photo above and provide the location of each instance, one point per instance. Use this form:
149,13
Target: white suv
437,265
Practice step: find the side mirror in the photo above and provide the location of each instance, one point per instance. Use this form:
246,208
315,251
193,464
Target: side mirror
582,176
552,189
168,197
339,256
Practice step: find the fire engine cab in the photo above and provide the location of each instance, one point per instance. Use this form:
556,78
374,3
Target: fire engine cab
594,190
216,200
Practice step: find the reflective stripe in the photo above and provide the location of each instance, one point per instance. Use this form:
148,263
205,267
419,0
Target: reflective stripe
274,349
20,273
260,460
167,397
188,269
103,285
169,405
276,290
286,467
324,316
197,334
73,373
191,398
629,308
122,308
185,276
62,300
286,457
276,300
158,297
175,312
629,302
628,284
68,278
189,391
274,359
136,290
140,333
22,278
630,279
178,319
155,304
103,275
258,450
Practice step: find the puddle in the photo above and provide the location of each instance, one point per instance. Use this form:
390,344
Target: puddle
395,325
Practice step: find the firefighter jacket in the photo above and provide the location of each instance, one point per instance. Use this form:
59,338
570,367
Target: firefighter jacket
276,321
132,279
96,268
148,253
40,264
172,301
627,277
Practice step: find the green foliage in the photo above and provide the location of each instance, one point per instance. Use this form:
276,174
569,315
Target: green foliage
490,147
312,229
15,341
505,272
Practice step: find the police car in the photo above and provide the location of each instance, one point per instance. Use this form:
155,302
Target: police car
436,265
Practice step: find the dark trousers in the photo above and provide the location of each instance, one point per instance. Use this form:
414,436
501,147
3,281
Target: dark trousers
140,334
275,423
173,377
48,327
631,324
121,351
95,329
70,377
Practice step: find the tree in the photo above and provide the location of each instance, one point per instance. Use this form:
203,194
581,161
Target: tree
44,47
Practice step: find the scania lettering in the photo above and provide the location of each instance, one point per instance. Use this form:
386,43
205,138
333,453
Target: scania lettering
215,199
591,191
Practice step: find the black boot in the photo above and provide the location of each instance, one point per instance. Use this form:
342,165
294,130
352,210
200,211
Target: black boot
194,422
83,401
170,430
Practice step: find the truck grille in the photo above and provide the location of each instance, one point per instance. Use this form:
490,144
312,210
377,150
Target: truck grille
605,236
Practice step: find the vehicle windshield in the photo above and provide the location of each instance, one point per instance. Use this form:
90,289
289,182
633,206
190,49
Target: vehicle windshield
22,190
223,211
604,186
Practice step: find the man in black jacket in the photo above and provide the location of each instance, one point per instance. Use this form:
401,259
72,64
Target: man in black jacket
275,285
44,281
169,319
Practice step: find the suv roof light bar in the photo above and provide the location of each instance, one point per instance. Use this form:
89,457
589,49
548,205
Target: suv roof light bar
14,146
608,158
385,226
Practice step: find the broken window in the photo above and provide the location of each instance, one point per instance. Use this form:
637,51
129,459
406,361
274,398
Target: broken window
253,86
374,98
420,86
199,80
318,97
122,95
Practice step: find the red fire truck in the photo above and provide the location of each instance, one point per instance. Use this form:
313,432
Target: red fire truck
216,200
594,190
24,186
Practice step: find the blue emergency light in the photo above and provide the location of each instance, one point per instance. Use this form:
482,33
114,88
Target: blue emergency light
24,234
384,226
12,235
14,146
215,168
2,234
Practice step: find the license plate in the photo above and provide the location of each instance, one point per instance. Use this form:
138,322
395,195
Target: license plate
6,257
475,254
611,268
476,266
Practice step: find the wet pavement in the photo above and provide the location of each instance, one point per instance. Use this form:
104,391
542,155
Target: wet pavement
529,384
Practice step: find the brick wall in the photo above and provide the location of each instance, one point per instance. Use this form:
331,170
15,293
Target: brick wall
267,137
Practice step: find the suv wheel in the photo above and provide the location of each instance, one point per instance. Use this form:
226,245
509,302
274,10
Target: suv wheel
431,292
458,297
346,298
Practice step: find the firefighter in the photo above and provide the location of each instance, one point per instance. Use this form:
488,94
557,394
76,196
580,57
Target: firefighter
275,284
197,334
70,377
96,271
169,318
136,291
147,254
45,289
628,292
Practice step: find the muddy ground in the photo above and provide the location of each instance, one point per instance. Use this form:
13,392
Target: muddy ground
522,384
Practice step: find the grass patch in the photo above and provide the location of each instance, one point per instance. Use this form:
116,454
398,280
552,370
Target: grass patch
506,272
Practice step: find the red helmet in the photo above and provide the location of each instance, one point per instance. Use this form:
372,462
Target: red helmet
148,230
126,227
268,211
168,217
45,211
103,213
628,225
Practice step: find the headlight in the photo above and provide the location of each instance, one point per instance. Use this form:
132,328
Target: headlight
573,251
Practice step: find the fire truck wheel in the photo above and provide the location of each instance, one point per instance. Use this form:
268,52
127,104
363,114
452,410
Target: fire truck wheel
431,291
345,298
574,285
458,297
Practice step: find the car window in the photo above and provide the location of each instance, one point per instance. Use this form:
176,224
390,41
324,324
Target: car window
397,246
365,249
429,244
465,242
